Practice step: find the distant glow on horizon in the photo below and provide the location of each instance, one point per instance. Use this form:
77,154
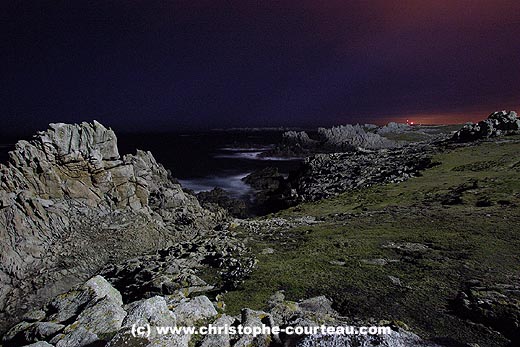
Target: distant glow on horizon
437,118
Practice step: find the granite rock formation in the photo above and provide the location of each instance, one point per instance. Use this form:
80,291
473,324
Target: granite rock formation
343,138
497,124
350,137
69,203
96,314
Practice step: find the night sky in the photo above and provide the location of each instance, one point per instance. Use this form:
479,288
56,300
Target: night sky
181,65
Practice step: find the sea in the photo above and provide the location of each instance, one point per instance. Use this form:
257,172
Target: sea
202,161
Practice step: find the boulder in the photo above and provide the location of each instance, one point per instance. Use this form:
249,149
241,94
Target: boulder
194,310
79,337
153,311
104,318
219,340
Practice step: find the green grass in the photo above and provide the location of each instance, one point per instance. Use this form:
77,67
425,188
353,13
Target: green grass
465,242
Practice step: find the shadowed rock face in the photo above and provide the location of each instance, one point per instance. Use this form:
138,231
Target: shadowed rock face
326,175
69,203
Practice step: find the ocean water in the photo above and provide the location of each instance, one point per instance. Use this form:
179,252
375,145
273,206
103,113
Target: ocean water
204,160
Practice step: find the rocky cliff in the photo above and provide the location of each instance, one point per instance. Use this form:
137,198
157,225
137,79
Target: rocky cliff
69,202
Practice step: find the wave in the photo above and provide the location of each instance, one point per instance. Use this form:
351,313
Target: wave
232,184
246,149
254,156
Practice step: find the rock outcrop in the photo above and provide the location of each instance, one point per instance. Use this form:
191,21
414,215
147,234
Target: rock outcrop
293,144
325,175
343,138
393,127
218,197
497,124
297,138
349,137
268,178
496,306
94,314
69,203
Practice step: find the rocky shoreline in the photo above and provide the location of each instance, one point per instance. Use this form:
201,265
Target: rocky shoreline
72,208
68,200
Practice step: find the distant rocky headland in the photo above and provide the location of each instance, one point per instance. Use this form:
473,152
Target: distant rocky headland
92,241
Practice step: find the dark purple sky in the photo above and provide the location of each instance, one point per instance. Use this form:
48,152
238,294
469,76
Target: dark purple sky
169,65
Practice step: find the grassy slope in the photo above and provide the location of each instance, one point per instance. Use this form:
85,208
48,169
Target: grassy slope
465,242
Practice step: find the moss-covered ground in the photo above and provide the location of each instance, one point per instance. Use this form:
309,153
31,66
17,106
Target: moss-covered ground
464,213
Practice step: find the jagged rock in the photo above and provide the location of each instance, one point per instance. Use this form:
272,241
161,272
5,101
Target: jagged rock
174,269
343,138
379,261
251,318
68,305
265,182
293,144
69,203
297,138
101,289
90,327
497,124
319,304
349,137
125,338
265,226
16,335
393,127
26,333
265,179
326,175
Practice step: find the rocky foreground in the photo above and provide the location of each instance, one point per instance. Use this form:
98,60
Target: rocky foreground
69,203
121,243
95,314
